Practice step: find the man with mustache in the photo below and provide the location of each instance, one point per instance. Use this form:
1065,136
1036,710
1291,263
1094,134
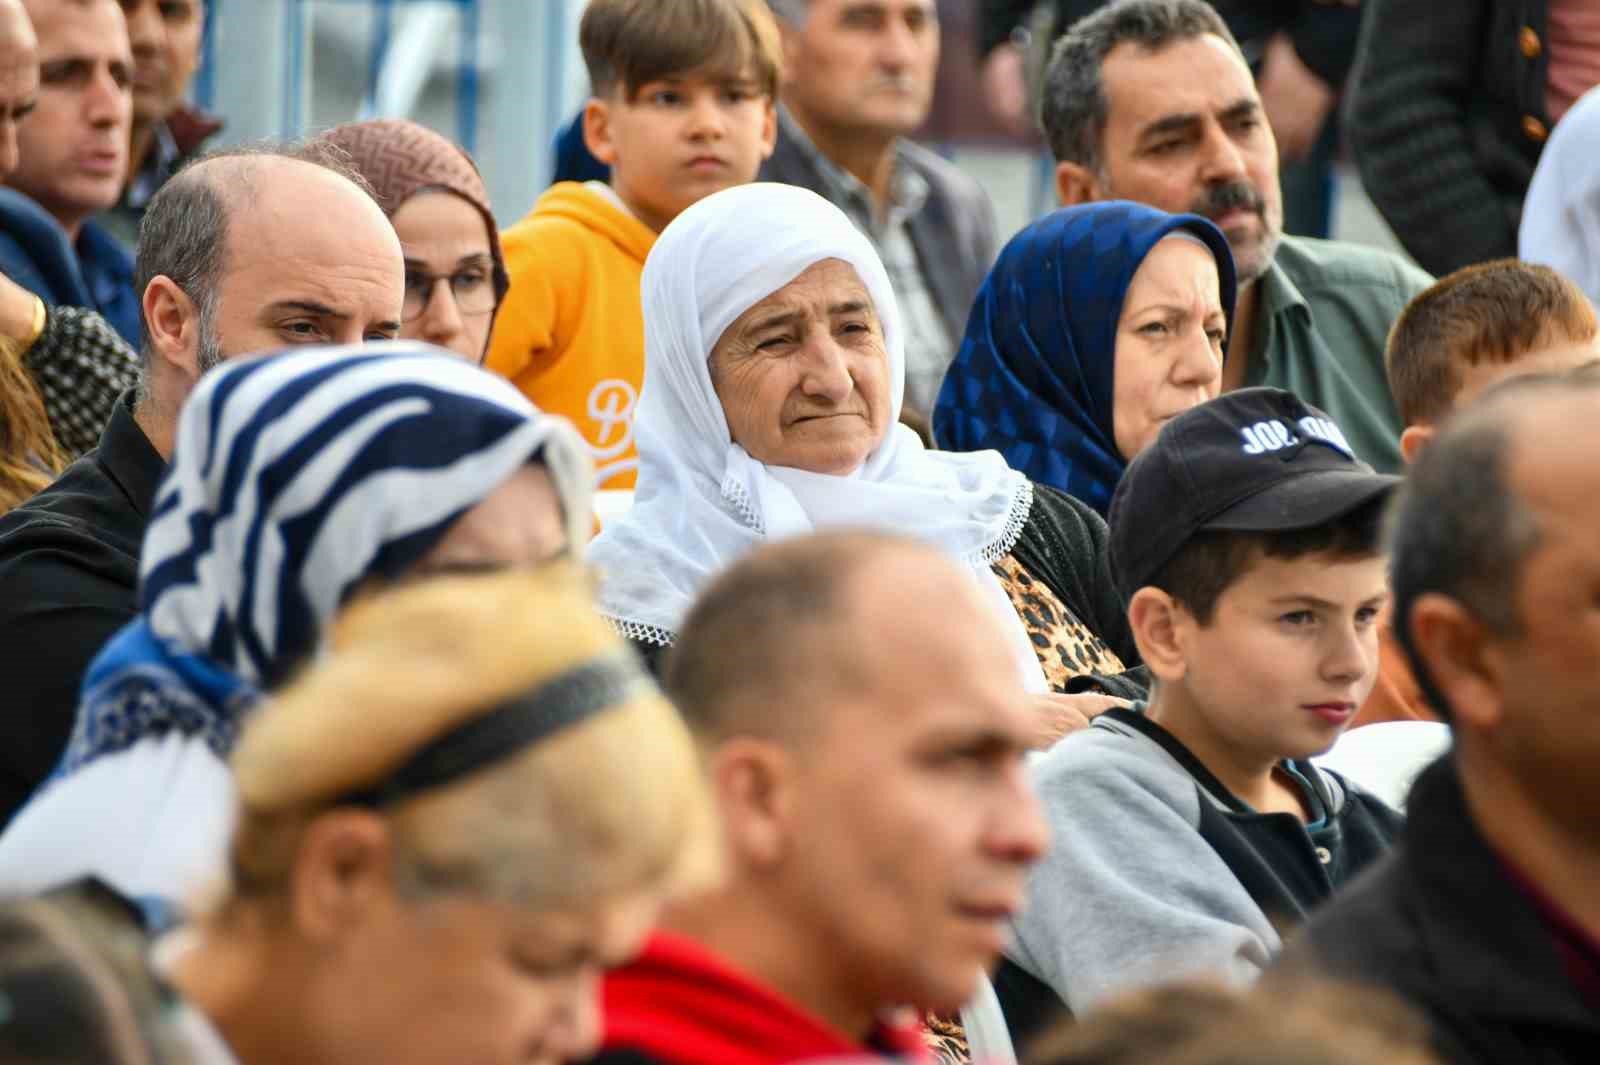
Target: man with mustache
1151,100
858,79
73,156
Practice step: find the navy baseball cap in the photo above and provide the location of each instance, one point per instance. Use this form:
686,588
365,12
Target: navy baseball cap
1252,460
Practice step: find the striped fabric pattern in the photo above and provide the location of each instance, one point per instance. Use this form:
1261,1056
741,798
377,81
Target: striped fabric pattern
295,478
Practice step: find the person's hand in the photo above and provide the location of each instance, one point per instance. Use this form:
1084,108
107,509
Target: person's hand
1005,88
1296,101
16,311
1059,714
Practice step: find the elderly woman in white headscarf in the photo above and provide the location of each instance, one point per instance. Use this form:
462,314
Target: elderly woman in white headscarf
774,368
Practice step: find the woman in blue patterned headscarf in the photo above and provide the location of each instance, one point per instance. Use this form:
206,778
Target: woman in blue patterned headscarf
1056,353
297,479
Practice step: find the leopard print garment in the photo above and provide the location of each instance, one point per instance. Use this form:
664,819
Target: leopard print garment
946,1039
1065,646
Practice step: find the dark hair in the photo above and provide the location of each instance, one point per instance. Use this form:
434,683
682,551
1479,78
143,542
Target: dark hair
1073,105
630,43
1212,560
76,984
1458,529
1294,1023
752,635
1494,312
183,234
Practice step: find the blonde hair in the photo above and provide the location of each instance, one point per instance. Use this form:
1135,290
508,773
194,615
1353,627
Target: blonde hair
29,455
613,804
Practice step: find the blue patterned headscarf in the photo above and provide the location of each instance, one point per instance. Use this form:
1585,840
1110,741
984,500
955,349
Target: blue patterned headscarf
1033,378
294,479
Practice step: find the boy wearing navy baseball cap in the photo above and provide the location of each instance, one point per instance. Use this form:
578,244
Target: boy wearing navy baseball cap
1191,831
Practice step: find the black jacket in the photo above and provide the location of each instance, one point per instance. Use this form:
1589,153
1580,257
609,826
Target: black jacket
1441,924
1447,117
1324,34
953,234
69,578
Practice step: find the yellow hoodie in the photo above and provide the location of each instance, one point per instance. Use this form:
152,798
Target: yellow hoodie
570,334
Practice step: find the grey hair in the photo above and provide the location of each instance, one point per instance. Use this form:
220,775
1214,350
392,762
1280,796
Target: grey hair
183,235
1458,528
791,11
1073,106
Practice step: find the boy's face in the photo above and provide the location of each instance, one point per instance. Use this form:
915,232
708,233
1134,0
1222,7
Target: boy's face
1289,655
680,139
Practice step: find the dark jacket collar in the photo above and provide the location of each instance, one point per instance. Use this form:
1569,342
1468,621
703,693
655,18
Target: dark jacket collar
1499,960
128,457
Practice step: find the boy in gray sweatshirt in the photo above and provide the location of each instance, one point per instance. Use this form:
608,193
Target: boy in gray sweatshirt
1190,831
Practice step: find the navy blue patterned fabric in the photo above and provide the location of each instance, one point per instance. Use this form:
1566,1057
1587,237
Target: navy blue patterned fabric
1033,379
295,478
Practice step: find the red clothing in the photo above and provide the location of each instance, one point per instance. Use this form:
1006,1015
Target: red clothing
1580,953
680,1003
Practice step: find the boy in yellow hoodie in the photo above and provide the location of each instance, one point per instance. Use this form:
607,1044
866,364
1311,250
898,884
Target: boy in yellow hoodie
682,106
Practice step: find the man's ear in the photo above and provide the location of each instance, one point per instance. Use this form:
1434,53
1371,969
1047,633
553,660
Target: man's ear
342,872
1462,659
172,325
752,778
1159,624
1413,440
597,130
1076,184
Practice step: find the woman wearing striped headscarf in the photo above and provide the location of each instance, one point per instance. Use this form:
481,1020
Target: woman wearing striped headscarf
297,480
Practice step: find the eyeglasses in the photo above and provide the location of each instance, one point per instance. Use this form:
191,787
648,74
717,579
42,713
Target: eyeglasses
472,289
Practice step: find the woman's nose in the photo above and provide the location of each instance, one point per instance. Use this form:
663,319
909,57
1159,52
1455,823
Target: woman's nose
826,374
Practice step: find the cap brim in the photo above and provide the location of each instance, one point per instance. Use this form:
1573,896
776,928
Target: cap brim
1302,501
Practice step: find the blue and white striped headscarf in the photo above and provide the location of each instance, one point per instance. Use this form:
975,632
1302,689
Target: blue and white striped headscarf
295,478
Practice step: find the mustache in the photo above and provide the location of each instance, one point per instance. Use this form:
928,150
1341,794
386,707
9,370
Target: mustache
1230,196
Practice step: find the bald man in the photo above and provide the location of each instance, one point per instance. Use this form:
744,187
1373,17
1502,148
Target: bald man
73,152
866,756
1487,917
238,254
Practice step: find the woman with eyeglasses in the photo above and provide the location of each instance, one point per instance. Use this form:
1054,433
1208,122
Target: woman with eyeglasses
433,194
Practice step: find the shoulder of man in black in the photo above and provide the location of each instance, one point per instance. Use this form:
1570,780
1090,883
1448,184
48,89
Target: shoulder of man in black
69,574
1439,923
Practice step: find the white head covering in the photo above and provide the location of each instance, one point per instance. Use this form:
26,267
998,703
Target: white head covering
701,501
1561,216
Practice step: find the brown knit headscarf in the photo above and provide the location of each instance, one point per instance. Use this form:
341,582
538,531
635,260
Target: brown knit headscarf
400,158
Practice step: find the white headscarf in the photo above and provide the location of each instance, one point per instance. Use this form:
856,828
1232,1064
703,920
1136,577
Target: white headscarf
1561,216
701,501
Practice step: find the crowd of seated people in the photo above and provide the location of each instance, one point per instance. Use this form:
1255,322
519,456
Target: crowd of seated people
970,672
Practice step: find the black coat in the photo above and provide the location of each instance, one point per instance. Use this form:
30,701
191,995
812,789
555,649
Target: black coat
1447,117
1440,924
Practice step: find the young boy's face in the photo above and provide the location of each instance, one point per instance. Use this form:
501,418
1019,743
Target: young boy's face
678,140
1289,655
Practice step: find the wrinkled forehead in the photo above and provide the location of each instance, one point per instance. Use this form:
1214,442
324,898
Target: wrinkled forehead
89,29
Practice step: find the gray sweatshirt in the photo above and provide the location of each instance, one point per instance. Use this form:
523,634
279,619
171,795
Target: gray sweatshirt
1156,871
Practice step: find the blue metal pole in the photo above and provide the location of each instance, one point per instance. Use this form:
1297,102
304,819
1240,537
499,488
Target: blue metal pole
467,81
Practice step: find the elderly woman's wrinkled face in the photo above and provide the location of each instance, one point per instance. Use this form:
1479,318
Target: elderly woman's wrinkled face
803,376
1169,342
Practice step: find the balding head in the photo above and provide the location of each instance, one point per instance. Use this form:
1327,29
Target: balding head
1496,581
864,721
256,249
19,78
790,619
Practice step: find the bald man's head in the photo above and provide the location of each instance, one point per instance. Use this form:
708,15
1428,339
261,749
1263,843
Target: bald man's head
256,249
19,79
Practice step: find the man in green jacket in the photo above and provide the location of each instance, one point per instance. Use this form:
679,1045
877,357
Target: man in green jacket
1152,100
